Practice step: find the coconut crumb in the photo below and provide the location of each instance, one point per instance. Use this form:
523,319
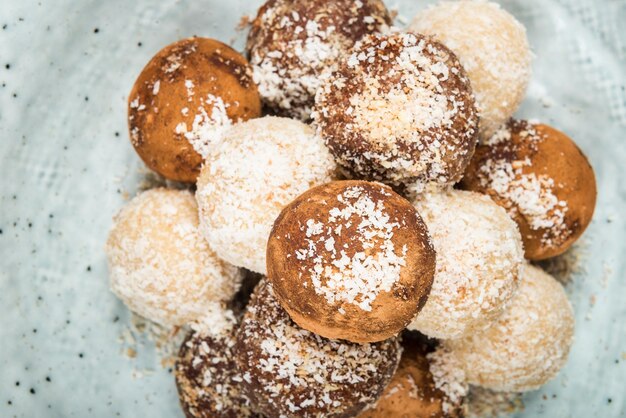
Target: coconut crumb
207,128
527,194
359,278
448,377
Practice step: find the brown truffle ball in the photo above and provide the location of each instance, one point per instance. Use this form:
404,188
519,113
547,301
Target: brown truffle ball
185,96
413,391
291,372
208,380
400,110
292,43
351,260
542,179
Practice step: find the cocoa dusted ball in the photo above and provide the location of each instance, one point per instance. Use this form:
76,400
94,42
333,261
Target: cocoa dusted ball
400,109
425,385
292,43
542,179
187,94
293,373
207,377
351,260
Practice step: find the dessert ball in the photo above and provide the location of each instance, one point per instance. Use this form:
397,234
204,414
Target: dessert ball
413,391
400,110
542,179
260,166
208,379
528,344
479,258
493,48
351,260
184,98
292,43
291,372
160,266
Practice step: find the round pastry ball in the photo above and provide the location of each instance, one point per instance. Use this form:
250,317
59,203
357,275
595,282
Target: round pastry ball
400,110
528,344
208,379
187,94
479,260
493,48
290,372
160,266
413,391
292,43
542,179
351,260
260,166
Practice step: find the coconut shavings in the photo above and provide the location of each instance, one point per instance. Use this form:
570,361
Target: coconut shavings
291,50
448,377
207,127
400,110
523,191
295,373
357,278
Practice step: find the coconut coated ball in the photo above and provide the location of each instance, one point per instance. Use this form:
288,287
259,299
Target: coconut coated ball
479,260
351,260
184,98
160,266
399,110
257,169
208,379
492,47
293,373
542,179
528,344
425,385
293,43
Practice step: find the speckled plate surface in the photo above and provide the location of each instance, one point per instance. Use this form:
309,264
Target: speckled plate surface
67,166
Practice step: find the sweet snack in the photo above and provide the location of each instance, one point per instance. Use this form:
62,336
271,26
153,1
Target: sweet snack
400,110
259,167
351,260
493,48
542,179
208,379
528,344
413,391
479,260
187,94
292,43
160,266
290,372
306,295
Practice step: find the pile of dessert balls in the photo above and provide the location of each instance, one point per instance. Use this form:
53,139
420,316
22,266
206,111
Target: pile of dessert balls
362,212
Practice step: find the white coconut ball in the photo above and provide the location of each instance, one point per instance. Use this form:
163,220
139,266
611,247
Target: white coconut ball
259,167
160,265
528,344
479,258
492,47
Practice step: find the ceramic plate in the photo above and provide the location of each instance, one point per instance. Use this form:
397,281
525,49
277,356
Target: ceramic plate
69,348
